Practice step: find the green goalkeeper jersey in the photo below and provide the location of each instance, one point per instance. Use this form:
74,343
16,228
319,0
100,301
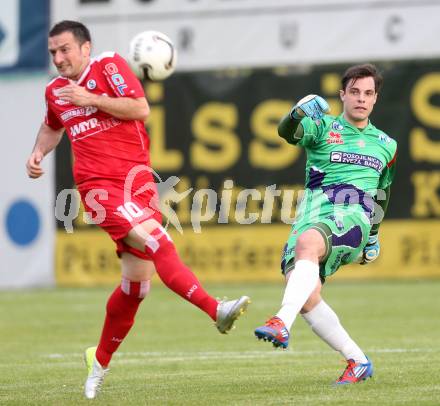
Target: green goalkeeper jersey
345,166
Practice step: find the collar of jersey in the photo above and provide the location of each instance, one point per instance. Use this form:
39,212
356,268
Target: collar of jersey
345,123
85,71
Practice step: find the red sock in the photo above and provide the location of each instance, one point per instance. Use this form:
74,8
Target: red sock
121,310
177,277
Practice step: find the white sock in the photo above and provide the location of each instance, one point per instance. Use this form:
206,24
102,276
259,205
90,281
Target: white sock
302,281
325,323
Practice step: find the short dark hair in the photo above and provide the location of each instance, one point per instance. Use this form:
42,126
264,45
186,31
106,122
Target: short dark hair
362,71
79,30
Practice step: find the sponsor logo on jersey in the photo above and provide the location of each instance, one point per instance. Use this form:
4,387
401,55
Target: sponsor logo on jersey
92,124
61,102
334,138
356,159
55,92
337,126
91,84
77,112
116,78
361,143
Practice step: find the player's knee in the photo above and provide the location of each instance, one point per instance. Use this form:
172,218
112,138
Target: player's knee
312,301
158,238
150,235
135,268
309,243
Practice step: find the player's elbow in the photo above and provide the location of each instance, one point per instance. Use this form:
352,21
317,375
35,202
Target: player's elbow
143,114
143,110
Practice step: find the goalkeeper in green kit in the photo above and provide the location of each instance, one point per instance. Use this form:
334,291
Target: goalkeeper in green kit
349,170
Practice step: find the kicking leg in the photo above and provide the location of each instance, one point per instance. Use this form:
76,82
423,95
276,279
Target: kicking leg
152,238
302,280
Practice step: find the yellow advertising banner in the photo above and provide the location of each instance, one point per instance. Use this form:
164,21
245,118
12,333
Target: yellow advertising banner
410,250
218,160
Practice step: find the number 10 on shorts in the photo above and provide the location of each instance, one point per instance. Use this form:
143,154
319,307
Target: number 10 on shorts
130,211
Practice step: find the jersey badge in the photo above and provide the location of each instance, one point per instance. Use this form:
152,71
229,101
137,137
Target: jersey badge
91,84
383,138
337,126
334,138
361,143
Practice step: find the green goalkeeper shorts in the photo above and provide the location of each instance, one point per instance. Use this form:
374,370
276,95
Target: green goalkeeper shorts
345,237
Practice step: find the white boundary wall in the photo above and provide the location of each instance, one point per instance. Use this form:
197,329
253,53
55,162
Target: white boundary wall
27,222
211,34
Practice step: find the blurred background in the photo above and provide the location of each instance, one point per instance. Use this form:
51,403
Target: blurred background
241,66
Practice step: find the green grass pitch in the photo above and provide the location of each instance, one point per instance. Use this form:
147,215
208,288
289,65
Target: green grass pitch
175,356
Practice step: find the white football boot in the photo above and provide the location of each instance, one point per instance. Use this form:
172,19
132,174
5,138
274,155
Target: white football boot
95,375
230,310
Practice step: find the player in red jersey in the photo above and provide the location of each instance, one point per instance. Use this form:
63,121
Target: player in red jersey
102,107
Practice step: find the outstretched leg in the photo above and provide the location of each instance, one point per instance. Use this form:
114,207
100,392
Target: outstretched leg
151,237
302,280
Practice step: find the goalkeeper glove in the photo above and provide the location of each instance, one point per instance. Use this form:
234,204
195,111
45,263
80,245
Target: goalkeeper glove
312,106
371,250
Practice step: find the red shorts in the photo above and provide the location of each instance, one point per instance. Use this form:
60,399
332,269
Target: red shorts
117,210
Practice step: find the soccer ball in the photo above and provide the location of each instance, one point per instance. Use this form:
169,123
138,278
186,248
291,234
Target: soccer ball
152,55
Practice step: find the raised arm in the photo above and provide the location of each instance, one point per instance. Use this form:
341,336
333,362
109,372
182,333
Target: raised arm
290,130
124,108
47,140
312,106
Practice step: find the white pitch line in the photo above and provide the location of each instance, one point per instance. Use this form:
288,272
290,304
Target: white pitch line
162,357
206,355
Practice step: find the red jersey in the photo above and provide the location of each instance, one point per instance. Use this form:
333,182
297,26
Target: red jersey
104,147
